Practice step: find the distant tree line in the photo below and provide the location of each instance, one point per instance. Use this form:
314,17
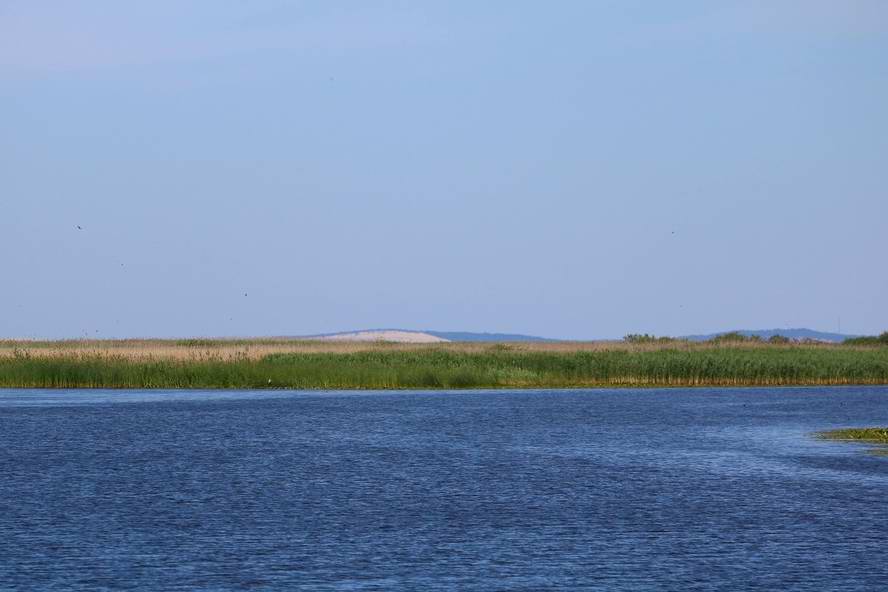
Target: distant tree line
868,340
737,337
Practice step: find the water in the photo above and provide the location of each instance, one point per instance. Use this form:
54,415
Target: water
593,490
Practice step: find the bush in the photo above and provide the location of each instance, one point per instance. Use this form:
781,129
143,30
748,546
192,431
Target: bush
645,338
732,337
196,342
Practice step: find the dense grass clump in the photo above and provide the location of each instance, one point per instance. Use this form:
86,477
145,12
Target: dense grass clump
449,368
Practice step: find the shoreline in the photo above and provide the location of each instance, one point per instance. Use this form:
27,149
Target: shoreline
426,389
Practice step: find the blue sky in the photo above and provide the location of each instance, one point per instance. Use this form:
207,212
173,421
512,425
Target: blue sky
570,169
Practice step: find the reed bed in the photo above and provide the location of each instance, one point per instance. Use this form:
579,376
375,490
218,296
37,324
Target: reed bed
256,349
337,365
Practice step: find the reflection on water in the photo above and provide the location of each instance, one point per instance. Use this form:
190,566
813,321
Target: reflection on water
601,489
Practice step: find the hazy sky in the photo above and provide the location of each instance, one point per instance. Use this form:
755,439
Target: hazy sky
573,169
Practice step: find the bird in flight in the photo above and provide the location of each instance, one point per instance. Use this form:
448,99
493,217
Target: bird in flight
79,228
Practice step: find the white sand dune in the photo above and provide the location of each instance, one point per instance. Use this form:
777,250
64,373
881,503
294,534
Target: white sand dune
391,336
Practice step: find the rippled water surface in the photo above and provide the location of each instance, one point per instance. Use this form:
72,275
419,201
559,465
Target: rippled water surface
532,490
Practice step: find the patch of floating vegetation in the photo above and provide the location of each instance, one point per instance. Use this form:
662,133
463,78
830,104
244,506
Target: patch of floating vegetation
877,436
867,435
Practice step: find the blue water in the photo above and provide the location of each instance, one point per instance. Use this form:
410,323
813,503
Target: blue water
574,490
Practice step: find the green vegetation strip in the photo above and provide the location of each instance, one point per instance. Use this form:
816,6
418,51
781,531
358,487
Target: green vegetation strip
434,368
868,435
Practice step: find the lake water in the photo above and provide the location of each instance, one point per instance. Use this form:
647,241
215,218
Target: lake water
707,489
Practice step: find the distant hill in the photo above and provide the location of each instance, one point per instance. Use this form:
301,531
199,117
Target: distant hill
411,336
469,336
799,334
390,335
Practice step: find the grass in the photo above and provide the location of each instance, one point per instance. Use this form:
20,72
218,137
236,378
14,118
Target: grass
285,363
868,435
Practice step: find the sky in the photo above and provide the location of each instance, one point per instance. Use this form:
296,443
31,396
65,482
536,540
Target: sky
573,169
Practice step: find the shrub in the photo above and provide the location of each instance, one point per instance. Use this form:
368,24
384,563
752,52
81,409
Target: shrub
731,337
645,338
196,342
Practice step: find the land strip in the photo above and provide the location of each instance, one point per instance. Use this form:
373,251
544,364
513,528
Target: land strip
302,364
